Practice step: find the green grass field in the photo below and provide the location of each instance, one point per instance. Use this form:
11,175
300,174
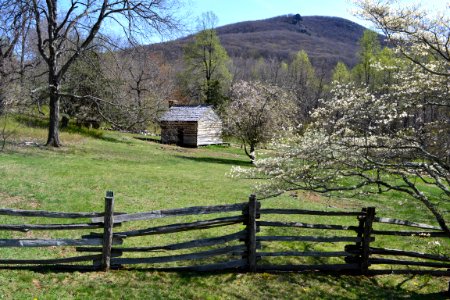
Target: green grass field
147,176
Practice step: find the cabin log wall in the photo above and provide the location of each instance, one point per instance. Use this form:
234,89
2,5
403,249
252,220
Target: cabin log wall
191,126
170,133
209,133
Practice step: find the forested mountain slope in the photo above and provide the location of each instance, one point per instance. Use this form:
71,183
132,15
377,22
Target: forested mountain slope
327,40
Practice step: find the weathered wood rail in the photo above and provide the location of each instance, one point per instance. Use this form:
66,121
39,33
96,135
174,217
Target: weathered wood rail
243,250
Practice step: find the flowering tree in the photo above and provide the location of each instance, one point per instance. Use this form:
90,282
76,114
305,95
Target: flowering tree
379,139
413,30
257,113
375,144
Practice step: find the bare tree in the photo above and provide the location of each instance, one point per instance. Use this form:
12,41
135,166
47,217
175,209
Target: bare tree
14,22
143,85
5,131
64,34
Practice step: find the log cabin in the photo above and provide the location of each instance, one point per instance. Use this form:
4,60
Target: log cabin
191,126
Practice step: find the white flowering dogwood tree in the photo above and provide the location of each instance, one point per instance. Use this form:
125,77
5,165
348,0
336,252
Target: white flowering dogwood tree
391,138
257,113
413,30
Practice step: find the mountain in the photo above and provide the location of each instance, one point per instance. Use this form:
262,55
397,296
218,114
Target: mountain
327,40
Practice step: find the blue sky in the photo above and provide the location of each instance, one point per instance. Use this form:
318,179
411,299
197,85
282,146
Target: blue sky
232,11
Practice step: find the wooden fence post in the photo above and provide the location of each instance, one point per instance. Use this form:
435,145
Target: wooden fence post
448,291
108,221
366,238
356,250
361,220
251,233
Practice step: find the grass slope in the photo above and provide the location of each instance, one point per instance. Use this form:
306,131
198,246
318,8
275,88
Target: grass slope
147,176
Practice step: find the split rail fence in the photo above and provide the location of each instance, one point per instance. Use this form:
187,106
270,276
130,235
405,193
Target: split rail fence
240,250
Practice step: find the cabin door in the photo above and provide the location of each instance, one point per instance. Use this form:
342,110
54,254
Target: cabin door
180,137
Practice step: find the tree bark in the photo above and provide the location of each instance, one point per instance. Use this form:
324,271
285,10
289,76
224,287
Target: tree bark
53,129
438,216
250,154
424,199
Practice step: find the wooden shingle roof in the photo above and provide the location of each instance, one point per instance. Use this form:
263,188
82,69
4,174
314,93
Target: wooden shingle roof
187,113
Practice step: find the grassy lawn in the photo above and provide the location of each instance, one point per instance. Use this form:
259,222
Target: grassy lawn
146,176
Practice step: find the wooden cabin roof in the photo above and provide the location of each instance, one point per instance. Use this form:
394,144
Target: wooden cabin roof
189,113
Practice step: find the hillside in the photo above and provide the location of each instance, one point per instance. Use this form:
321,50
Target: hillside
327,40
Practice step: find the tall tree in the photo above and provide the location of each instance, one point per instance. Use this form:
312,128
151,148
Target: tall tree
82,83
206,63
14,22
303,82
144,85
369,48
65,31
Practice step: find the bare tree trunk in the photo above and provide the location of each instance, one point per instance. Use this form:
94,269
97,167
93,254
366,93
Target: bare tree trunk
53,129
250,154
2,104
4,137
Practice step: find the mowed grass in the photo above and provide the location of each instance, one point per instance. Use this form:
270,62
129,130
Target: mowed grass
147,176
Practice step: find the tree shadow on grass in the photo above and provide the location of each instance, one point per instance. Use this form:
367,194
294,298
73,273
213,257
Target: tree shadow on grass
148,139
218,160
36,122
33,122
239,285
312,285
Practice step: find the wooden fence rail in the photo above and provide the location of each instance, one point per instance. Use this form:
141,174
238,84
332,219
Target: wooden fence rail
156,214
241,249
